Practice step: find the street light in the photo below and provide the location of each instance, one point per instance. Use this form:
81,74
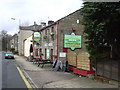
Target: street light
18,43
16,19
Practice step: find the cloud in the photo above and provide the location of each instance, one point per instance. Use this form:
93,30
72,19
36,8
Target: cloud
34,10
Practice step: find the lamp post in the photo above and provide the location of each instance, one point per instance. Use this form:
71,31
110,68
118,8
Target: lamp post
16,19
19,24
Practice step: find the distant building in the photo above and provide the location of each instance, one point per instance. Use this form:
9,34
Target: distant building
6,42
23,34
14,42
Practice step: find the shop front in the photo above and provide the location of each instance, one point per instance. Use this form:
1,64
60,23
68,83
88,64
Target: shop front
65,40
78,59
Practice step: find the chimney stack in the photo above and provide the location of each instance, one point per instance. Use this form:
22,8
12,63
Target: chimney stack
50,22
43,24
35,23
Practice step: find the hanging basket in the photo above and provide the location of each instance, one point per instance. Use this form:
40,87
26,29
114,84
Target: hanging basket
45,36
52,34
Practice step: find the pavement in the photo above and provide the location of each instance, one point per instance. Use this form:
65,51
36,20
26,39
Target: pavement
46,77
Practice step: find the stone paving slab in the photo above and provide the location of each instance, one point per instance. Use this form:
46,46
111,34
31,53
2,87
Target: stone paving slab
47,78
78,83
29,66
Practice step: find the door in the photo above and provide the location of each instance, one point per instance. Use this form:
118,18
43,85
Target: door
40,53
51,54
36,52
45,53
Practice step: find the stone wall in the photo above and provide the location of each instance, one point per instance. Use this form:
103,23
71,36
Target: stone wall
108,69
23,34
65,27
49,42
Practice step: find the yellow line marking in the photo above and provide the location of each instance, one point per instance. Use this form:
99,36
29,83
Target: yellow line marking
25,80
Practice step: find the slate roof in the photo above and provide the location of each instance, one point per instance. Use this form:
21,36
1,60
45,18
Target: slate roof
32,28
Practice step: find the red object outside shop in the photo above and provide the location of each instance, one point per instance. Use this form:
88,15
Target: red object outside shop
79,71
74,29
65,49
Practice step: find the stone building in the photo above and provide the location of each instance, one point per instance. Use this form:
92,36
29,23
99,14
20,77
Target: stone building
52,36
65,39
14,42
47,43
24,33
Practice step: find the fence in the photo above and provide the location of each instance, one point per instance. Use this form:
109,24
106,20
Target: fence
109,69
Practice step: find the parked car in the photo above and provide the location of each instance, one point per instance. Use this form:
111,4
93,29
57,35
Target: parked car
9,55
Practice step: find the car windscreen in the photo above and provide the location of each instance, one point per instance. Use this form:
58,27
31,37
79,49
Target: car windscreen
9,54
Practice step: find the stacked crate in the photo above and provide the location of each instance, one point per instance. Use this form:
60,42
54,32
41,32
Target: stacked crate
83,61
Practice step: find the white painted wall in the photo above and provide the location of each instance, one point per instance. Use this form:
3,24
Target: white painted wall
27,44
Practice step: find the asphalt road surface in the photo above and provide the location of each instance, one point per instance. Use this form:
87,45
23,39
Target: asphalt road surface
9,73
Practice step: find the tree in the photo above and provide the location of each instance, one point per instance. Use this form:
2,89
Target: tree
101,20
3,32
5,40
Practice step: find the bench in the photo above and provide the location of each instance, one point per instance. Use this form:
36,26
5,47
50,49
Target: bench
35,60
44,61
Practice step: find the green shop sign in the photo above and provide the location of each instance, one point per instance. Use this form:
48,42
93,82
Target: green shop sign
36,36
72,41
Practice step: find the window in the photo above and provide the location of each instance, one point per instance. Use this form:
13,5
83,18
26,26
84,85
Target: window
45,32
45,52
48,54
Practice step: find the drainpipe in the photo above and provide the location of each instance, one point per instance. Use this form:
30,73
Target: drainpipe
57,38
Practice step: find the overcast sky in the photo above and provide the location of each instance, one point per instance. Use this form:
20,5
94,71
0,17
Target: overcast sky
26,12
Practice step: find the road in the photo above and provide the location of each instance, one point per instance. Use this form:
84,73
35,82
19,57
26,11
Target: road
10,75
